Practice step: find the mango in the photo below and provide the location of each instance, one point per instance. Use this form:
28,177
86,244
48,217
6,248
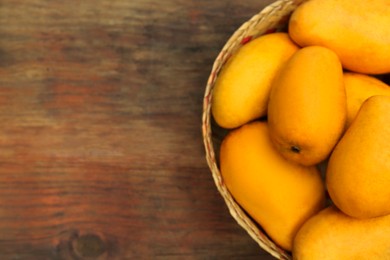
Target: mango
360,87
307,106
358,173
276,193
242,88
333,235
357,31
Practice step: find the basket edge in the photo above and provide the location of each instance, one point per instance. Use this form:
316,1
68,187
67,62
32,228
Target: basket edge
286,6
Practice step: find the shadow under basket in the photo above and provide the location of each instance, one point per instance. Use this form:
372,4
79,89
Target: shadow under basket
272,18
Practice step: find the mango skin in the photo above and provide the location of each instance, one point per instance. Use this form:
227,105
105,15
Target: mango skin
358,173
278,194
360,87
357,31
307,106
241,91
331,235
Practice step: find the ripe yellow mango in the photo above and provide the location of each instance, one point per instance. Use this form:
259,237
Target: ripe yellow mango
333,235
358,31
360,87
307,106
278,194
242,88
358,173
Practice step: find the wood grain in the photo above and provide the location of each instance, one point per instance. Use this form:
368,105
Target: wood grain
101,154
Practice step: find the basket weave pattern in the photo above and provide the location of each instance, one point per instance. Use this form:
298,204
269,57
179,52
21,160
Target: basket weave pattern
270,19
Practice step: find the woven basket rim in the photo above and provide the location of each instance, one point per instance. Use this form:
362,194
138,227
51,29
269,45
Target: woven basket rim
251,28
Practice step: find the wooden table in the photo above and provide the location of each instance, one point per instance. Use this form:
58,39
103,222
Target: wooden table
101,153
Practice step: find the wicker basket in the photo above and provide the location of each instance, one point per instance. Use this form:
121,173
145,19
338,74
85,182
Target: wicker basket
272,18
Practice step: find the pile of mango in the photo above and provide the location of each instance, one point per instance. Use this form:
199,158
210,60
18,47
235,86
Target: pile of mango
304,99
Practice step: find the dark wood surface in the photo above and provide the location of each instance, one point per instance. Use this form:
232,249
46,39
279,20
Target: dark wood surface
101,153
